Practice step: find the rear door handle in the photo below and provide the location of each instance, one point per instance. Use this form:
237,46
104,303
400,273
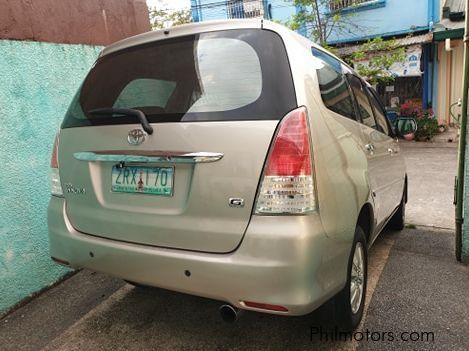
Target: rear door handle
133,156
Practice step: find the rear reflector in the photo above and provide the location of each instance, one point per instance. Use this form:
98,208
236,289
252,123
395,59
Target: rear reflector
55,185
265,306
288,185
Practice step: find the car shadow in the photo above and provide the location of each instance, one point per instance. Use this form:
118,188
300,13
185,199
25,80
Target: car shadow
146,318
136,318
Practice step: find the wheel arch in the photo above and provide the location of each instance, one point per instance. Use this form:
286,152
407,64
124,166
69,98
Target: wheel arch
366,220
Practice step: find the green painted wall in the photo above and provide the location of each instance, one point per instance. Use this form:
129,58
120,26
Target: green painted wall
37,82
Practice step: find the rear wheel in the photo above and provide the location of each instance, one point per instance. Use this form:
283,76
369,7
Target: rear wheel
349,303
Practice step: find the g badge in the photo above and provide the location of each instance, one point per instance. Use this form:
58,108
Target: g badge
236,202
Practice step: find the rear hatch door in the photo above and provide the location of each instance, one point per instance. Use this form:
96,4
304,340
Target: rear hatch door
214,101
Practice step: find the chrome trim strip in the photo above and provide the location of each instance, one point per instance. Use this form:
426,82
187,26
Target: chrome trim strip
158,156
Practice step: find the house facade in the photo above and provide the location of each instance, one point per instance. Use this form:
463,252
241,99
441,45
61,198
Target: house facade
448,41
411,24
206,10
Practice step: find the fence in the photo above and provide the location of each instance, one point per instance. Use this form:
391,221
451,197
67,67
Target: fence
336,5
232,9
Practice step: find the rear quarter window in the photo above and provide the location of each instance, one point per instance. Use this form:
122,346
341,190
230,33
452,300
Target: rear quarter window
335,92
217,76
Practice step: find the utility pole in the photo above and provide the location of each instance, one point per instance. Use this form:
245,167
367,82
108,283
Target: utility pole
462,146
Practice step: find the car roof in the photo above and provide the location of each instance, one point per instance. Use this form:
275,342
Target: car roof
213,26
182,30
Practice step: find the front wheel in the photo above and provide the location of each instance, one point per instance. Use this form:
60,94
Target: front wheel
349,303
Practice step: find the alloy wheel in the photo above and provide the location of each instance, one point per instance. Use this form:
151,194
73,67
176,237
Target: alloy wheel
357,278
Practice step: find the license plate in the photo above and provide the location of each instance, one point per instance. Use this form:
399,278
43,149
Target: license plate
143,180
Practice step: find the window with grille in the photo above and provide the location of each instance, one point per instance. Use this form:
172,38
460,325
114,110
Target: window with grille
336,5
245,8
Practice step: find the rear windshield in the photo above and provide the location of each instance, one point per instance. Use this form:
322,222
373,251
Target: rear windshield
217,76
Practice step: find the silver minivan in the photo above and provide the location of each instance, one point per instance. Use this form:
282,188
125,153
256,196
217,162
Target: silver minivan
234,160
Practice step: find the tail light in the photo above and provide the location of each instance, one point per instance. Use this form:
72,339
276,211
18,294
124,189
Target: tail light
287,185
55,186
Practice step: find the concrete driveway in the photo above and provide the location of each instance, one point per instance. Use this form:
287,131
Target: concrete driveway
417,299
431,168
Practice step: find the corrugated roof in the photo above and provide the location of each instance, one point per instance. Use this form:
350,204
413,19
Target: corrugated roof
453,16
447,24
416,39
455,6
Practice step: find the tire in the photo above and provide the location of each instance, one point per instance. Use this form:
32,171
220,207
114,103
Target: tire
348,312
397,221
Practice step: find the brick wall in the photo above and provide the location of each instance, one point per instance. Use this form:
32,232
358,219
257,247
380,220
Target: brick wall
96,22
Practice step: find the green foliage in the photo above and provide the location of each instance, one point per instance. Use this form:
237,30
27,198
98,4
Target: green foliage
332,49
164,18
427,128
310,16
381,55
321,24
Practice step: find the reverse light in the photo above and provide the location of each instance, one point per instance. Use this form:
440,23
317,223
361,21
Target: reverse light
54,176
287,185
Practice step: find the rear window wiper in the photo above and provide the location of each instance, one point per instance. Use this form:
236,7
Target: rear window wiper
125,112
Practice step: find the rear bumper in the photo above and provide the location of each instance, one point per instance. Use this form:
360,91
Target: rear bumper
283,261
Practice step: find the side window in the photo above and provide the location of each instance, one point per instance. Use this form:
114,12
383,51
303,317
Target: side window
380,115
363,103
333,85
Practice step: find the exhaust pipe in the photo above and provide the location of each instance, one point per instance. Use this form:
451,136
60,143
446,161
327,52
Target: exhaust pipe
229,314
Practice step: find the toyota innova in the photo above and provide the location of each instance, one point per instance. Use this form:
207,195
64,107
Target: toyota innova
234,160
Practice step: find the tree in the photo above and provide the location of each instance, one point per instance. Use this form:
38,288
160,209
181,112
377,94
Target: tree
321,18
165,18
380,55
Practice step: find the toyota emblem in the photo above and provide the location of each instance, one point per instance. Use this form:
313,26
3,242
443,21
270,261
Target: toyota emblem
136,137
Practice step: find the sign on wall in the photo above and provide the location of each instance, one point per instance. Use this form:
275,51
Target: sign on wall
409,68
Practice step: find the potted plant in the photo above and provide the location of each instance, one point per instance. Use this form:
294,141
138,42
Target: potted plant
427,124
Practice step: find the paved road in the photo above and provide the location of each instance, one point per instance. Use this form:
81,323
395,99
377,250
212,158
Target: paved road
431,169
415,285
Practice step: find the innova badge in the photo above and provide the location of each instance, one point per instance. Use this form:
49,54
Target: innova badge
136,137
